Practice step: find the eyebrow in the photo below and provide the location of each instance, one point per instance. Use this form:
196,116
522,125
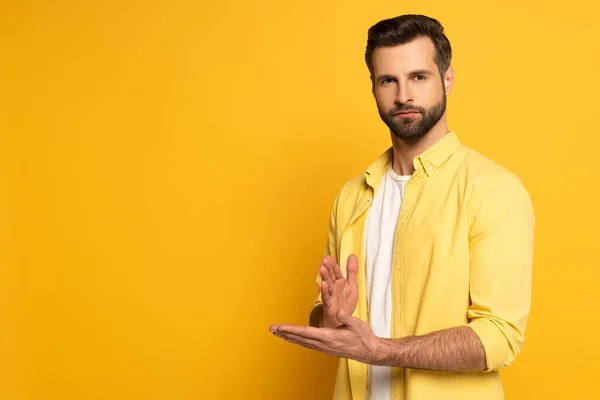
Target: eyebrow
415,72
421,72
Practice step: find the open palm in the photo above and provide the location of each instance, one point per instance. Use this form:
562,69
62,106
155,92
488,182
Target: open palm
337,292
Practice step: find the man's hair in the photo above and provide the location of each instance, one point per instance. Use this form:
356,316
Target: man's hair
404,29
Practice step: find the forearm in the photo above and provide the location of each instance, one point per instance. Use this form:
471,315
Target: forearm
455,349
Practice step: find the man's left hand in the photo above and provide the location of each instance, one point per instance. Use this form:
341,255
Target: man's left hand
354,340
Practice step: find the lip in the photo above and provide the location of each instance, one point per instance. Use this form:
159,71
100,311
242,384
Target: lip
406,114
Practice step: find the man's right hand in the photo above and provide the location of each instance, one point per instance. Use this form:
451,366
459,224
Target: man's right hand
337,292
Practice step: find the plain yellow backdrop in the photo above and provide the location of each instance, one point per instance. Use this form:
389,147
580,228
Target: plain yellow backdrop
167,170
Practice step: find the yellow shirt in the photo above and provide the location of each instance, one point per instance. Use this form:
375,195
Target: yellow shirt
463,252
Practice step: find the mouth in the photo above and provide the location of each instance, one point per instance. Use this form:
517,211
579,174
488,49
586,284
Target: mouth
406,114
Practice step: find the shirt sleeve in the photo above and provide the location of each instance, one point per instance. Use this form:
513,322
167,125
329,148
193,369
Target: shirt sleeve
330,247
501,253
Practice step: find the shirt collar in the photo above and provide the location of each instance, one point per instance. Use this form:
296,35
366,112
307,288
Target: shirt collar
429,160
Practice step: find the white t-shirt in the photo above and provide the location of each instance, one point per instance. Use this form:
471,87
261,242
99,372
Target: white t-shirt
379,245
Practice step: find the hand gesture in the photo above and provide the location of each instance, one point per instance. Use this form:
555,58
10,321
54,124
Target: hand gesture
338,293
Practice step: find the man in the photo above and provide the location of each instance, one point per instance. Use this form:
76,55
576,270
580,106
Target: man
425,288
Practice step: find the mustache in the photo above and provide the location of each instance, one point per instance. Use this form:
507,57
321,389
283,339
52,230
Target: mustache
406,109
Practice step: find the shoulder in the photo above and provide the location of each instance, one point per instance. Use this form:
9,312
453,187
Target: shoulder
482,172
482,175
491,187
353,187
348,196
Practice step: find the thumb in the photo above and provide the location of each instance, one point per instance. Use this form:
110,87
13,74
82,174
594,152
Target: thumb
347,319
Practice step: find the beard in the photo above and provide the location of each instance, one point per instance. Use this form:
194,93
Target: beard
413,128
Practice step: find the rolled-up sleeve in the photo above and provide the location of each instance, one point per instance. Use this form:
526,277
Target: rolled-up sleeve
501,254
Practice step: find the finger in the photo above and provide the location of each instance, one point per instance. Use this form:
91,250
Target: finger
308,332
297,339
325,294
330,263
348,320
325,276
352,270
337,271
327,260
321,347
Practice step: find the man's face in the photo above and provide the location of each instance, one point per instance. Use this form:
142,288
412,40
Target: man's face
408,88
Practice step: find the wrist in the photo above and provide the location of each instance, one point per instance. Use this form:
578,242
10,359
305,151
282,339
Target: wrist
381,351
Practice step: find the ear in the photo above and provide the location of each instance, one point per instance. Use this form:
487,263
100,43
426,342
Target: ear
449,80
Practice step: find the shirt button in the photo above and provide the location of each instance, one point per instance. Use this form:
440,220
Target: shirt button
370,198
429,168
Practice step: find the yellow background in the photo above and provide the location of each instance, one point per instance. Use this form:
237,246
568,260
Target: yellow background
167,171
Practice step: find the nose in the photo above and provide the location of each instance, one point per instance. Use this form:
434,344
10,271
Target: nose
404,94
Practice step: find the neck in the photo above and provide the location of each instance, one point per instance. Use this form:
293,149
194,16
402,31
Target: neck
406,151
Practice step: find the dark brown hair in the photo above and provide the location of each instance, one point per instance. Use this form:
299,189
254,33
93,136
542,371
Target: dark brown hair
404,29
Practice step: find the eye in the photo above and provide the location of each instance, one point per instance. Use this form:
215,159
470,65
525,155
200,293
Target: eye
420,77
386,81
